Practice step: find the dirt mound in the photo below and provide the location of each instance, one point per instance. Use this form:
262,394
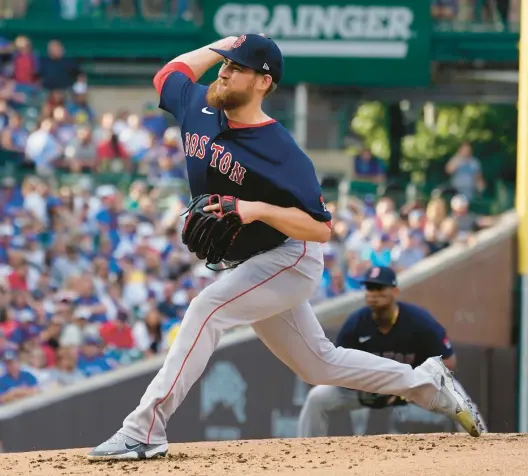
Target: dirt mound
390,455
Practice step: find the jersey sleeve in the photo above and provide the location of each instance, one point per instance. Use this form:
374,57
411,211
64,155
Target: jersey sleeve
307,190
348,335
436,341
176,85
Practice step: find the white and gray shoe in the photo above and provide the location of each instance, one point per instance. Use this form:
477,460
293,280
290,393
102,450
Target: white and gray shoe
120,446
448,401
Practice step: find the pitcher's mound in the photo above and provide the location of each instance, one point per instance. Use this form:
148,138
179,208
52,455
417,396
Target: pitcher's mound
391,455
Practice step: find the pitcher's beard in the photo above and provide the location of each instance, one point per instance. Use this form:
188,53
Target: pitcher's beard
227,100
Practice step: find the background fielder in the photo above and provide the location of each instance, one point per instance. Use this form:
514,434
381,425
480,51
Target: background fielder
392,329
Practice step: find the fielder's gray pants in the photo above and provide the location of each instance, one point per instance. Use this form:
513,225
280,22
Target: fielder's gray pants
324,399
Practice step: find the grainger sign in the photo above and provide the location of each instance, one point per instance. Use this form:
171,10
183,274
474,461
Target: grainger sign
343,42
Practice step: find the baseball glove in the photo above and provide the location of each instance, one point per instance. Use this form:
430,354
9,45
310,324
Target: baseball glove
379,400
210,234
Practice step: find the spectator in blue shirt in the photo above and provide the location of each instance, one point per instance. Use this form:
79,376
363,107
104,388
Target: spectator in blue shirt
330,261
56,70
78,108
15,383
6,56
368,168
167,170
354,272
379,253
107,217
465,172
166,305
42,148
444,9
5,345
70,263
6,233
153,121
88,298
11,198
336,286
27,327
91,359
15,135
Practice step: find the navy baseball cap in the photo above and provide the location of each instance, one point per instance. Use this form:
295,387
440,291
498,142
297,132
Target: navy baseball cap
380,275
258,53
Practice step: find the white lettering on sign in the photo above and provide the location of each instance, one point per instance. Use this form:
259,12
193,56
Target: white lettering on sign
316,30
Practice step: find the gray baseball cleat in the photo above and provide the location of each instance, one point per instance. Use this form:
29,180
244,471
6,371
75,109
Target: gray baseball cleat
448,401
120,446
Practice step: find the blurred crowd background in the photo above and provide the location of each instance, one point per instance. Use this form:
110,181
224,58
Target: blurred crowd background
448,10
93,274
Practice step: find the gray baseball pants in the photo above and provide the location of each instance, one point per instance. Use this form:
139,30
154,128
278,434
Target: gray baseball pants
270,292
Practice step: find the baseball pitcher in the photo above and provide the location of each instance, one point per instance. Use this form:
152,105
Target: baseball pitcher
257,208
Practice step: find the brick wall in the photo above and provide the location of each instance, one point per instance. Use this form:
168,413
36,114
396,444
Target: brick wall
474,298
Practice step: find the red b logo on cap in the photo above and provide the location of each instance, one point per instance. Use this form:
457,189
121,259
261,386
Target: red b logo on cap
239,41
374,273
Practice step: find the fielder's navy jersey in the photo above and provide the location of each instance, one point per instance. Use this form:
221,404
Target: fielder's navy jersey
250,162
415,337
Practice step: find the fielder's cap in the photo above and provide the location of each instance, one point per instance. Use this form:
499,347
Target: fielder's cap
258,53
380,275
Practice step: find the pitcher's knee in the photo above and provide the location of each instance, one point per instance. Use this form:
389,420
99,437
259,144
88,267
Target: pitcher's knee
205,309
205,304
197,305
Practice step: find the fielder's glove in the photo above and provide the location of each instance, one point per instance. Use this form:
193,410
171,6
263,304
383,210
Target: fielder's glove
210,234
379,400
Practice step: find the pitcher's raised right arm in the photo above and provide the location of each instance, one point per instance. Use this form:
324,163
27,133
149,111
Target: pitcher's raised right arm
176,81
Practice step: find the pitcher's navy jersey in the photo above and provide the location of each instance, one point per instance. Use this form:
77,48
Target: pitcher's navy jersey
250,162
415,337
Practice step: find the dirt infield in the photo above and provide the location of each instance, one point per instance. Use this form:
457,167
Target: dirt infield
402,455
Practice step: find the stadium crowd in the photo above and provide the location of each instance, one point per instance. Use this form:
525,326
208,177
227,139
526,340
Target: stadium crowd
95,9
93,276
